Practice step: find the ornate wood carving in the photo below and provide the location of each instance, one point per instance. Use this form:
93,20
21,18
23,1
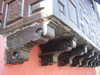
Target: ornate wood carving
86,61
77,61
65,30
20,43
51,50
67,57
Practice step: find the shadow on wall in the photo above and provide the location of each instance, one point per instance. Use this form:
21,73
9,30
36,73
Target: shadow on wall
32,67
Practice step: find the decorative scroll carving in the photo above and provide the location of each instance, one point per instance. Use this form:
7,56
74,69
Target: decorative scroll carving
49,58
86,61
67,57
77,61
18,48
93,62
96,63
26,23
51,51
18,56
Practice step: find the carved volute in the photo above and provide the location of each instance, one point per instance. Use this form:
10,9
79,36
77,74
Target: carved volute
67,34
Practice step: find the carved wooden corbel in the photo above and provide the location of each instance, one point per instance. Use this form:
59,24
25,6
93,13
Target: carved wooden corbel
92,63
77,61
19,43
87,62
62,39
51,50
96,62
67,57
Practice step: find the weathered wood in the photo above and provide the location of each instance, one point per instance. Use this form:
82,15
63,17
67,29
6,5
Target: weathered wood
20,42
66,57
23,36
61,23
77,61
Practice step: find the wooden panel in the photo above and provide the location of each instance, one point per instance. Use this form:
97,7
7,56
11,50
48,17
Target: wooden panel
80,16
86,27
33,10
72,12
85,4
76,1
88,13
77,14
18,13
0,24
12,15
14,11
1,10
61,7
82,28
1,6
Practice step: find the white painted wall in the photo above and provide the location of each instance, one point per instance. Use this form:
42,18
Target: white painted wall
98,6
